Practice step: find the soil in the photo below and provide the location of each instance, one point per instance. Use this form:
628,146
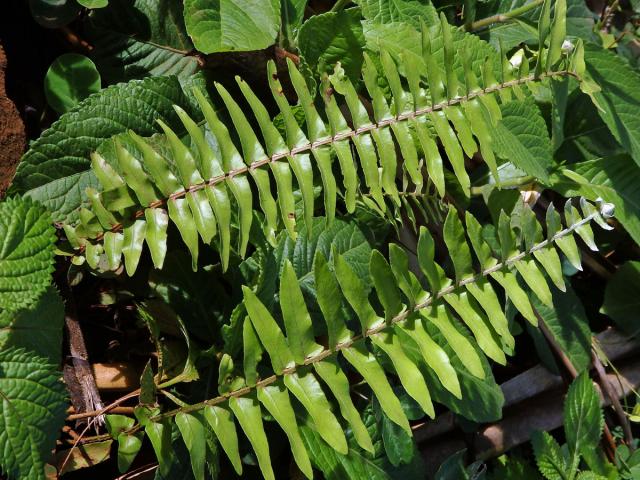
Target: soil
12,132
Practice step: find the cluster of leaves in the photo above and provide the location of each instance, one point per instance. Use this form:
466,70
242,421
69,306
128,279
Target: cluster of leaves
338,320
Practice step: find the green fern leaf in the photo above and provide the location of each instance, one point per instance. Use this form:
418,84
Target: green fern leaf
445,97
404,332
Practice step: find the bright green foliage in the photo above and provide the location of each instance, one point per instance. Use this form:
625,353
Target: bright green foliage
222,26
26,253
195,189
32,411
308,371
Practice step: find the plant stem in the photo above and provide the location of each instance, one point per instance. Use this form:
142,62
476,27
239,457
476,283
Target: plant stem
511,183
503,17
607,438
339,5
615,401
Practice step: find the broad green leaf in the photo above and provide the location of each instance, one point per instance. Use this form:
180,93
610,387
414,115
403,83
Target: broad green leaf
346,238
522,138
583,418
62,152
619,97
192,431
26,252
140,38
128,448
37,329
223,26
306,388
247,411
160,437
70,79
567,321
276,400
398,444
410,12
33,404
615,179
117,424
622,297
292,13
549,458
332,37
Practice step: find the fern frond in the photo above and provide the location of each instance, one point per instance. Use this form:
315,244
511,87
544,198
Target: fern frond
197,188
308,370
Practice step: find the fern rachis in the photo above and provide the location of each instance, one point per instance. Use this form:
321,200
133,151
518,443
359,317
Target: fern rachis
196,188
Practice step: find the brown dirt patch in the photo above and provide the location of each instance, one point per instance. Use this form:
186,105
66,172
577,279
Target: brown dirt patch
12,134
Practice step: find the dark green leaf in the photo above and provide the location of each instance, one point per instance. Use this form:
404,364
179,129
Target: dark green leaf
26,253
619,97
398,444
54,13
32,411
583,419
522,138
622,297
332,37
139,38
549,458
37,329
71,78
569,326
